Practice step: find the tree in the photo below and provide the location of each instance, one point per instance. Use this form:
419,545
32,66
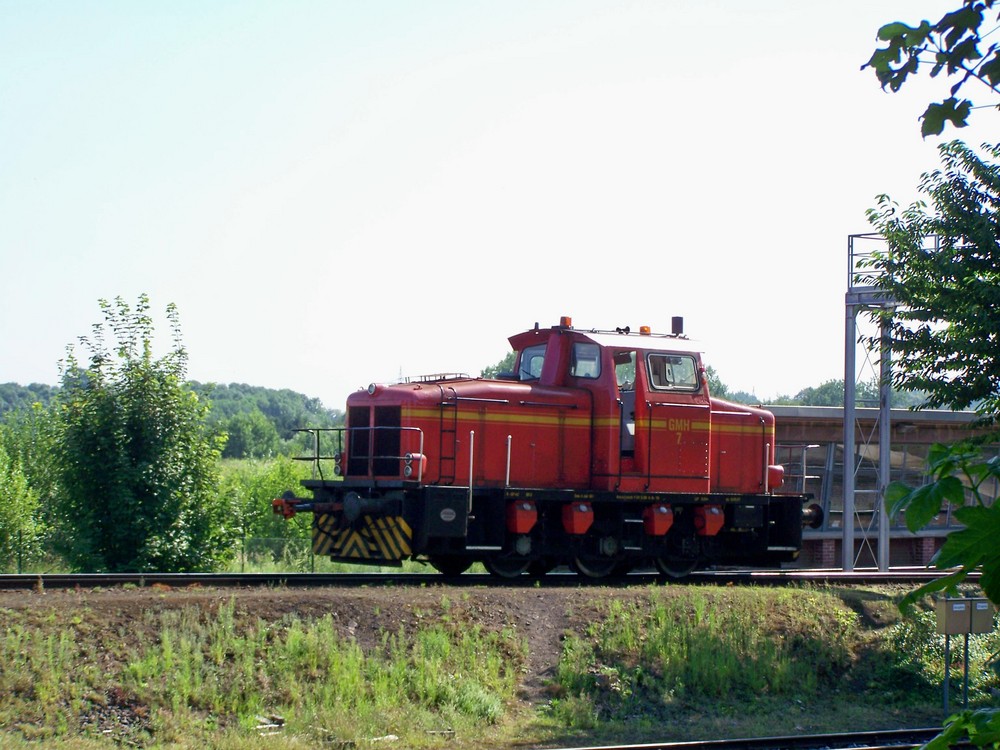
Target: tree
137,466
285,409
952,44
715,385
505,365
250,435
942,267
831,393
27,439
828,393
19,529
744,397
14,397
250,486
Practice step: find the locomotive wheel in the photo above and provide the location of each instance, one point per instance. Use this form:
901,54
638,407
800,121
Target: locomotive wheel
506,567
676,567
594,567
450,566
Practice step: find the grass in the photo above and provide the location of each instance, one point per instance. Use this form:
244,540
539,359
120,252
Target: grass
747,662
210,676
662,663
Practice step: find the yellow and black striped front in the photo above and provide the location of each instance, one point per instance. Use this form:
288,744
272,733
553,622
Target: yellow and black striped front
371,540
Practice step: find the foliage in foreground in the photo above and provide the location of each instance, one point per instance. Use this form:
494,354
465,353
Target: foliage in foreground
187,675
19,531
941,270
955,471
694,662
953,44
658,659
136,465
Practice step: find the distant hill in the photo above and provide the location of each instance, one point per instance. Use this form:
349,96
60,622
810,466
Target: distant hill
14,397
285,409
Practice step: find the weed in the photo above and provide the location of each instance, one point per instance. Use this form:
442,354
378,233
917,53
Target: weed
660,663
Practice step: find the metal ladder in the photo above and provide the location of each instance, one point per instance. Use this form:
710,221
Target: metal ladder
448,435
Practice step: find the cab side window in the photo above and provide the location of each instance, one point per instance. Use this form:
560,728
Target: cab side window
625,370
586,360
676,372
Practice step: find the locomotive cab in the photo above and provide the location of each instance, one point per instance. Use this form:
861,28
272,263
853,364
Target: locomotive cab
653,414
602,450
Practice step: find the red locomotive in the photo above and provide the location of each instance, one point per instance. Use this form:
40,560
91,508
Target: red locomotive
603,450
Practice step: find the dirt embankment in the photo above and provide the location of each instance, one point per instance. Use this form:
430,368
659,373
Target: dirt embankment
539,616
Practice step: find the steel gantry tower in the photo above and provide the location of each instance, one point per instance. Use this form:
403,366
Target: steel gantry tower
864,509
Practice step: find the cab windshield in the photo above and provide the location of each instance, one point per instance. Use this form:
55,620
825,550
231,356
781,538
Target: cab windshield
586,361
530,363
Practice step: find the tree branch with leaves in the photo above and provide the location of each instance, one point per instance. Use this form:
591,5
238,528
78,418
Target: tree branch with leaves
953,45
942,268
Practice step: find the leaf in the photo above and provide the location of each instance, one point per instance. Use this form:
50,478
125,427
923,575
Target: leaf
939,452
955,730
987,721
990,70
989,580
882,60
924,503
894,30
952,490
897,496
922,506
981,727
943,583
960,22
950,110
976,542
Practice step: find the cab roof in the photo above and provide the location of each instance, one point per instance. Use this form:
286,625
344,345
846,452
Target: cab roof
655,342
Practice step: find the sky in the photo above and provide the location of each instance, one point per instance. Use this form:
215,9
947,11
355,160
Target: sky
335,193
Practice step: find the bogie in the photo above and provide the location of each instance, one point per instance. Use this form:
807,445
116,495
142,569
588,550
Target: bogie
676,567
452,565
594,567
508,566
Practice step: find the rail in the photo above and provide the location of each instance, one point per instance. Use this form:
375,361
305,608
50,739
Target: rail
554,579
895,739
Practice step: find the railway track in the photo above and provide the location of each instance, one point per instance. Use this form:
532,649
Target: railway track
908,576
878,740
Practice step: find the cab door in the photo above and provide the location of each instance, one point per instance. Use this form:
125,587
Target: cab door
673,424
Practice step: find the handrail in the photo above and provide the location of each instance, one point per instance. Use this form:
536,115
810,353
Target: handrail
339,454
548,404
